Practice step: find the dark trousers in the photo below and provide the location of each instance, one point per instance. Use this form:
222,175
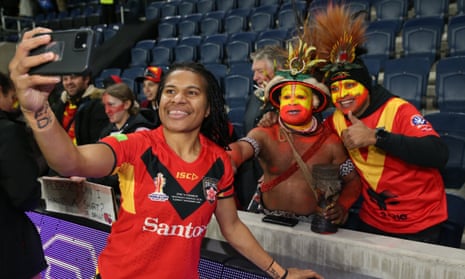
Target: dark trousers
430,235
108,13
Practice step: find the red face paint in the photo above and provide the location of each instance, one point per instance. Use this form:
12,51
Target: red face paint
112,107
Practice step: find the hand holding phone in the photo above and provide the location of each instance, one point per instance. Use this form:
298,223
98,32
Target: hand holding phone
72,49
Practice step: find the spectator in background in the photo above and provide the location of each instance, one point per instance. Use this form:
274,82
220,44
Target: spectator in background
80,110
396,151
191,140
151,83
265,62
21,254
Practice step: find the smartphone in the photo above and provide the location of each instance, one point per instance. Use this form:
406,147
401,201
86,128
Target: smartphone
280,220
73,50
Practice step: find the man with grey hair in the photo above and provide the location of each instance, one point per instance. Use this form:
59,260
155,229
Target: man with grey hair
265,61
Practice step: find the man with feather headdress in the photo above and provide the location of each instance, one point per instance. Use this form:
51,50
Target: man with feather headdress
395,150
298,96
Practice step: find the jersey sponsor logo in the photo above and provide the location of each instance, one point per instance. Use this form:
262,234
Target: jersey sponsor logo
159,181
210,188
152,224
186,175
420,122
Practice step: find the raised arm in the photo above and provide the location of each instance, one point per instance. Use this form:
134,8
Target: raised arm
32,91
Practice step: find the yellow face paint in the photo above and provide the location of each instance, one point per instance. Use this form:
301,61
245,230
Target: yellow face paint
296,105
293,94
348,95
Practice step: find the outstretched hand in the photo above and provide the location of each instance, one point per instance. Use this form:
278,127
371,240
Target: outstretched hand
358,134
32,90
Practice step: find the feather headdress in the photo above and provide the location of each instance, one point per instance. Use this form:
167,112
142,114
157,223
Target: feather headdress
339,34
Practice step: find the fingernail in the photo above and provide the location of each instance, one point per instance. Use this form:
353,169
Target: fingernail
49,55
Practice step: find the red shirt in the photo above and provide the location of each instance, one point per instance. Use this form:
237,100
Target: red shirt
166,206
398,197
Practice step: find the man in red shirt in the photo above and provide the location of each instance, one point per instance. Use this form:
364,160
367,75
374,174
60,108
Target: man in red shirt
395,150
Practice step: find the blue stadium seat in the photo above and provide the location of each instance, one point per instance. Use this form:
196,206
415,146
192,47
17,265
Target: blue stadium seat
236,89
133,72
358,6
456,36
205,6
391,10
220,38
108,33
373,65
218,70
460,7
167,30
210,25
260,21
454,172
237,51
185,53
450,83
210,52
161,55
152,12
268,2
194,40
234,23
241,68
130,83
248,36
452,229
186,7
246,4
260,43
286,19
279,34
225,5
447,122
168,42
187,28
407,78
146,44
168,9
425,8
380,40
193,16
98,81
271,9
422,37
236,116
139,57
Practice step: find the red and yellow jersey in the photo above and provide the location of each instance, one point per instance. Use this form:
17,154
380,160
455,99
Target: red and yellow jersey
166,206
398,197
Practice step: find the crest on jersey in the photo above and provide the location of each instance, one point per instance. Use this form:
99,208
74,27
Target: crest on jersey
159,182
210,188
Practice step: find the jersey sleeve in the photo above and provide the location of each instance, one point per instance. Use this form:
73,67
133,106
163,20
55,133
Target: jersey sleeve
410,122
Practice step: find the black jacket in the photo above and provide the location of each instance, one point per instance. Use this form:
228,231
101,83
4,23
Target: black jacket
90,117
21,254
